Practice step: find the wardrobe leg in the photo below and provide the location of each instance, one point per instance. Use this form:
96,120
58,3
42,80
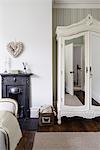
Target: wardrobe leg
59,120
59,117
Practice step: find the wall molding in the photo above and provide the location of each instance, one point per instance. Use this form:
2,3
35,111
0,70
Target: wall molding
76,4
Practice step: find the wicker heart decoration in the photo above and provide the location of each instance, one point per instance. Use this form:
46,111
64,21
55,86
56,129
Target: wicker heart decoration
15,48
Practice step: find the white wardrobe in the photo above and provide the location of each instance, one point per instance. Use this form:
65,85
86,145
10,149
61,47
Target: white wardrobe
78,77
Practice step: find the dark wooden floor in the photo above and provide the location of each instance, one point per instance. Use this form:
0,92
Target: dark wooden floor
75,124
26,143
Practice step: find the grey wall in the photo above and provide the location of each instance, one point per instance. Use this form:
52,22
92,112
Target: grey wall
62,17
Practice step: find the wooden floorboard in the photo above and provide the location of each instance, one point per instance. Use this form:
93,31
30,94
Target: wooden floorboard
26,143
74,124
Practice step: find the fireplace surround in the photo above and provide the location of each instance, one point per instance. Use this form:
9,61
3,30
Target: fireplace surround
17,86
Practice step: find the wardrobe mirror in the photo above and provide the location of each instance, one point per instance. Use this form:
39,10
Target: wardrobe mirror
74,71
95,69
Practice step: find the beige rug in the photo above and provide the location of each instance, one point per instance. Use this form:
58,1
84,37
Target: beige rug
67,141
72,100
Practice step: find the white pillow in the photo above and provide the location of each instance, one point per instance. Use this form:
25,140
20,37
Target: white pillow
7,106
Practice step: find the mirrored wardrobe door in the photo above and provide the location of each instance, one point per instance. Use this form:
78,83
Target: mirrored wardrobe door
74,71
95,68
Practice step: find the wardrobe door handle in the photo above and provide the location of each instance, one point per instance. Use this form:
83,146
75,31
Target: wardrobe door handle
71,71
91,72
86,69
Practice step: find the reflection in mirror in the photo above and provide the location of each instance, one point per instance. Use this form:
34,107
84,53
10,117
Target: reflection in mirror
94,69
74,55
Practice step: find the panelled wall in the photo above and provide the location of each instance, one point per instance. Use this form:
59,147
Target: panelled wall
64,17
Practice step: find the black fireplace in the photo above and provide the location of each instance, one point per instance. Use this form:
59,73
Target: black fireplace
17,86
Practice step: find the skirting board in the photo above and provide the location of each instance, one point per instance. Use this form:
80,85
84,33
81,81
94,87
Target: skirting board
34,111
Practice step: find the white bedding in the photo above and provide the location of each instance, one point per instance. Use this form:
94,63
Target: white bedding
2,141
10,127
10,132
